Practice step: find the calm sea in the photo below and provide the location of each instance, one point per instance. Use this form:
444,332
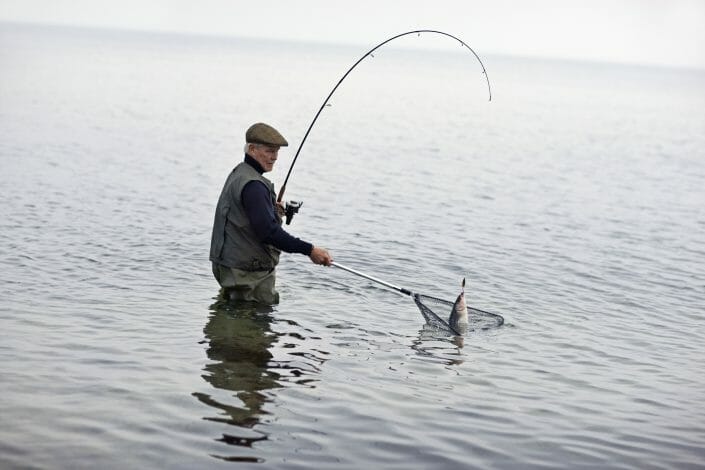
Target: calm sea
573,202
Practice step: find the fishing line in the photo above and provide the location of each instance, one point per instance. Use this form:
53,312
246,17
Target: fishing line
369,53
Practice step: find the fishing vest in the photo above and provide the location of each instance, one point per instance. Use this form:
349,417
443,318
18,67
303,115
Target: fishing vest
234,243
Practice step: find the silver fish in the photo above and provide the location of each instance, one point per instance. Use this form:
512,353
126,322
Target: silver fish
459,315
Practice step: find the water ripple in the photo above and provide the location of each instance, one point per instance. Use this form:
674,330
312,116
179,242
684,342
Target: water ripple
581,225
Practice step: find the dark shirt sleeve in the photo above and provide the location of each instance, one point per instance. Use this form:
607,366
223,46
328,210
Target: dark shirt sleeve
258,206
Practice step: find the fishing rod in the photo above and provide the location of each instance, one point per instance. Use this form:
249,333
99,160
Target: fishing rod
369,53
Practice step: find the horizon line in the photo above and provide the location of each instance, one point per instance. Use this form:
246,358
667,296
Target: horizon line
346,44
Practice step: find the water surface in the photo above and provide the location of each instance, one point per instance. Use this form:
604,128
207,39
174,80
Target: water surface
573,203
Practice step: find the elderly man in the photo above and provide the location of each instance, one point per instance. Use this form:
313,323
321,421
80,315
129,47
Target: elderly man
247,233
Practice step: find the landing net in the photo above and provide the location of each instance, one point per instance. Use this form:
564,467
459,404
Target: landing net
477,319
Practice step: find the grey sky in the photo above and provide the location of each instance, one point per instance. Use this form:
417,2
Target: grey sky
647,31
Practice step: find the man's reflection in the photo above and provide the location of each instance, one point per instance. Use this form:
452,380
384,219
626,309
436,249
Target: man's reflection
239,336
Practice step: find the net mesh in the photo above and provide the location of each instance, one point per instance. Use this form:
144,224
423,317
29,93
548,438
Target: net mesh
478,319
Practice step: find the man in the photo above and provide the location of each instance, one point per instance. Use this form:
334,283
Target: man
247,233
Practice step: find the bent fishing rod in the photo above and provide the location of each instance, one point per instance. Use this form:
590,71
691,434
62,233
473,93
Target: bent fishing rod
369,53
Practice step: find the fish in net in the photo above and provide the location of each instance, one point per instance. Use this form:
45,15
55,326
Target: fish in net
477,319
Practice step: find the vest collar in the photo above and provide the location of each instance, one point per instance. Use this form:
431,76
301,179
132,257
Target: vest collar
254,164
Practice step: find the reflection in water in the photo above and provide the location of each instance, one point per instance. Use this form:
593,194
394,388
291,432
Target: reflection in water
433,341
438,346
240,344
239,337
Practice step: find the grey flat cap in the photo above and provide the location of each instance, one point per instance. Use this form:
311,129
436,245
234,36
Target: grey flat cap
262,133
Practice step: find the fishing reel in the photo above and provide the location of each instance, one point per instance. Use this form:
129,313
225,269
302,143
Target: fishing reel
292,207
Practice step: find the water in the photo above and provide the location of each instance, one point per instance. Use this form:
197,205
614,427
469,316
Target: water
573,203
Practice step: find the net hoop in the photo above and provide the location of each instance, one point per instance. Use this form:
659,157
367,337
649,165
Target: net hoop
478,319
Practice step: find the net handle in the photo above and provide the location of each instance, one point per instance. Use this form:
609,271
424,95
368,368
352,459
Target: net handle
372,278
418,297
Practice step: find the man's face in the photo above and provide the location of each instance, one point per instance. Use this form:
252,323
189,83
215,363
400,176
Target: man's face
266,155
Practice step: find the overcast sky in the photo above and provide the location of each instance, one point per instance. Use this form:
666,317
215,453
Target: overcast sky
662,32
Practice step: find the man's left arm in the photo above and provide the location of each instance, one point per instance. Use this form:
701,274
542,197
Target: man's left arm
258,205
